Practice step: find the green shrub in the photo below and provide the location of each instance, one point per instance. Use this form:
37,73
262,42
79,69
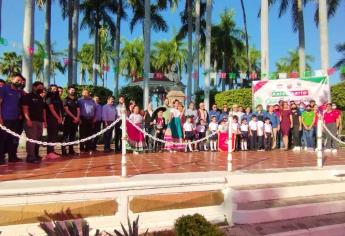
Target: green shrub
200,96
133,93
338,95
195,225
241,97
101,92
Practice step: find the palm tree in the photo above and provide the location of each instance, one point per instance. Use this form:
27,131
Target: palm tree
39,62
189,12
85,57
323,34
297,24
264,39
97,13
291,62
341,62
246,34
120,14
28,41
10,63
208,52
167,53
47,38
197,46
227,44
106,53
75,33
132,58
332,8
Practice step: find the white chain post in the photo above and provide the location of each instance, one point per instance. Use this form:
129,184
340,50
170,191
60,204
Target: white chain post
230,140
319,142
124,142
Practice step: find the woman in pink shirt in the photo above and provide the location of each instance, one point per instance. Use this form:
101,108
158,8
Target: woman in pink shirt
331,120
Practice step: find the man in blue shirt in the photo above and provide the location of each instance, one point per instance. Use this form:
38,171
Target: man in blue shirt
109,115
10,117
275,122
98,123
214,112
87,119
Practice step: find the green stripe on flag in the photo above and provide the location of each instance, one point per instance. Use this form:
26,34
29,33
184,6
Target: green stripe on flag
318,80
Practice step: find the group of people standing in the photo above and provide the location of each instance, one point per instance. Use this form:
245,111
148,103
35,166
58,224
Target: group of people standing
285,125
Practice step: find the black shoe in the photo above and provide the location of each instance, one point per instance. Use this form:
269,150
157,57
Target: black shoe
15,160
2,162
33,160
73,153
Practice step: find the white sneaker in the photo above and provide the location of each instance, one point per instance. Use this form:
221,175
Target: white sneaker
135,153
296,149
311,149
305,148
328,150
334,150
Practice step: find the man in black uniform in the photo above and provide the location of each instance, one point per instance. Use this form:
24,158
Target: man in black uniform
35,118
54,119
72,118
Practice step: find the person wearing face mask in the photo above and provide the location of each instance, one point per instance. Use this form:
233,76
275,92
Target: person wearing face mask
71,121
332,122
34,112
54,119
296,127
301,109
308,119
10,117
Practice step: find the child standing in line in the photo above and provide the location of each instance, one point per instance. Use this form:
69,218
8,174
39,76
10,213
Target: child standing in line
213,127
244,135
169,146
135,137
236,131
188,133
253,132
261,136
159,125
201,129
268,134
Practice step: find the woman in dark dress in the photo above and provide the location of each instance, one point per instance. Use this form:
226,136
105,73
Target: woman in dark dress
286,124
296,127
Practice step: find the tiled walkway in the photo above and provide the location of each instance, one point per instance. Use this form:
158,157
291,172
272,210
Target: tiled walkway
101,164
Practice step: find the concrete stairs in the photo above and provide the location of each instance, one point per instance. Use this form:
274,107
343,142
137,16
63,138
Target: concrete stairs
300,208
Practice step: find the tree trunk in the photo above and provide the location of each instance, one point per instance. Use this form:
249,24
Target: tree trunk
47,37
70,41
95,58
75,30
28,42
0,18
208,53
197,46
190,50
301,38
264,40
147,43
117,48
223,70
323,21
246,34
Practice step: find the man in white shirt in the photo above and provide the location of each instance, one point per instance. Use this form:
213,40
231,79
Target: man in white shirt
253,132
260,135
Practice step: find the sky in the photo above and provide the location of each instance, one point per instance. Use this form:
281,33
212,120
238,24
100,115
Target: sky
281,37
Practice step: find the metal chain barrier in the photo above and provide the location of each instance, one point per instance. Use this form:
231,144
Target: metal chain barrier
166,142
60,144
332,135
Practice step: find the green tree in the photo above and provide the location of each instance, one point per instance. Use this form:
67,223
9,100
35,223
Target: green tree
341,62
132,58
106,52
97,14
167,53
291,62
85,57
39,60
10,63
332,8
227,44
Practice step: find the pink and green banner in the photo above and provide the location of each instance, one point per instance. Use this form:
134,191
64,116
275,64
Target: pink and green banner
269,92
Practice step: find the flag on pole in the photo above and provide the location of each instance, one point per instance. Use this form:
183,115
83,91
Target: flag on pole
253,75
331,71
294,75
273,76
307,73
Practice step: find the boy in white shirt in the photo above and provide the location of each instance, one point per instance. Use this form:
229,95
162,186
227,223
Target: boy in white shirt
244,128
268,134
201,129
188,132
253,132
261,136
213,127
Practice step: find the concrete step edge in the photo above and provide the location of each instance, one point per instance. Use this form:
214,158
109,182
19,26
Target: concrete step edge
329,230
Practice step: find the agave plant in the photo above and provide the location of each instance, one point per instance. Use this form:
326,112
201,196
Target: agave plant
133,229
67,228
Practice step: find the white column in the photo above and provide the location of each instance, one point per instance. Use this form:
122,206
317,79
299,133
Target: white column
319,142
124,136
264,39
230,147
